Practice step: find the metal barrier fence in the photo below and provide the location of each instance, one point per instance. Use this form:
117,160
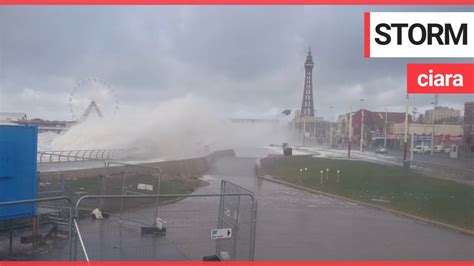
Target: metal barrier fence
77,155
51,185
192,226
45,233
221,225
230,214
132,179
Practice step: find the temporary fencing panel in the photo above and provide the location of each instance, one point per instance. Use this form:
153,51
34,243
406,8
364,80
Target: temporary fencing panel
46,235
128,179
138,223
190,231
234,212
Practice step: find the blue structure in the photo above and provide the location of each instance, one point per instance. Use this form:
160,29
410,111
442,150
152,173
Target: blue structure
18,180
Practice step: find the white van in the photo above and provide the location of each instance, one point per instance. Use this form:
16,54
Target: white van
438,148
421,149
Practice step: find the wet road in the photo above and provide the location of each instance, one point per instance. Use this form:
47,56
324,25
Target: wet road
297,225
440,159
439,165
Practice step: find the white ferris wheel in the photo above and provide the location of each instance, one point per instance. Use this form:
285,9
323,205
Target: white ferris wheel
93,95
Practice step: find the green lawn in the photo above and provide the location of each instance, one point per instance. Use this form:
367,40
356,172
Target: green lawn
388,186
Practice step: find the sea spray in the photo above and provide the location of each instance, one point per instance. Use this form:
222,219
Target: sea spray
183,127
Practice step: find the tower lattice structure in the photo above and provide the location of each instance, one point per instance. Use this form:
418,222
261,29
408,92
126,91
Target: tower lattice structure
307,105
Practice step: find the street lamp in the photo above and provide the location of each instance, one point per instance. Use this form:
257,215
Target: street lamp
385,130
327,174
338,172
301,171
362,127
321,177
330,132
304,130
305,170
412,139
405,163
433,126
349,146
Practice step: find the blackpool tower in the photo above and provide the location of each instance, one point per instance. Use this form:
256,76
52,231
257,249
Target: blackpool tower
307,106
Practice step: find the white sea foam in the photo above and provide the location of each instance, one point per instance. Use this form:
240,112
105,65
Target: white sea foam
178,128
45,139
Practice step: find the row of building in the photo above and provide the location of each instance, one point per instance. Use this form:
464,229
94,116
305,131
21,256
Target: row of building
388,128
43,125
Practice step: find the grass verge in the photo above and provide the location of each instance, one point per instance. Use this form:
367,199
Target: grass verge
388,186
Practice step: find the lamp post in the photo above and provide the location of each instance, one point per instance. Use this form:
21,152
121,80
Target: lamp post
362,127
412,139
301,174
337,180
330,132
433,126
327,174
349,135
321,177
305,170
406,134
304,130
385,130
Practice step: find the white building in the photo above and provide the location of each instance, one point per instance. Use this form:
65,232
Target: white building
427,129
440,112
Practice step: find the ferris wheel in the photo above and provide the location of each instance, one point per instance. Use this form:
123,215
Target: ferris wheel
93,95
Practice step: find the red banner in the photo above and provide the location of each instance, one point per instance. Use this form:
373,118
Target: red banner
440,78
236,2
244,263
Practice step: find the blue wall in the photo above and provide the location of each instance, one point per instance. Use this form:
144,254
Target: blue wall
18,180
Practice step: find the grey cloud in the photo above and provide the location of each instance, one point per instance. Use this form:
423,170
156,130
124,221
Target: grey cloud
249,59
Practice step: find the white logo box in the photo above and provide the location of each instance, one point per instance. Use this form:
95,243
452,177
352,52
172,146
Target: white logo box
427,19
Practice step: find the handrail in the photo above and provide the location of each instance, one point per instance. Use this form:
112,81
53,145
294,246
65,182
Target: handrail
76,155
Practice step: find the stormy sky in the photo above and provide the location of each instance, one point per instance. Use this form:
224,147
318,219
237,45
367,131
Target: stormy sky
247,60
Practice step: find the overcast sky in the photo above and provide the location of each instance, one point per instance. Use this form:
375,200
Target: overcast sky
249,60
